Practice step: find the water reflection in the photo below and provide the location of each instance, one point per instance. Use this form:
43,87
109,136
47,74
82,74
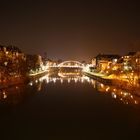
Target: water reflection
15,94
49,79
116,93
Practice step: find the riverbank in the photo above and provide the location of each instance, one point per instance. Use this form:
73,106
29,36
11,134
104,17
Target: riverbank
13,81
37,75
115,82
99,77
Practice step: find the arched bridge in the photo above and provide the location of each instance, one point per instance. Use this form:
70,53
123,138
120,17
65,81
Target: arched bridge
68,64
71,64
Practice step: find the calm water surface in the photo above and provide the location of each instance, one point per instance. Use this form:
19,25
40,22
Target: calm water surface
58,107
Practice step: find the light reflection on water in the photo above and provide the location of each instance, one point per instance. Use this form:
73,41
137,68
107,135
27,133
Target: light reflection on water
15,94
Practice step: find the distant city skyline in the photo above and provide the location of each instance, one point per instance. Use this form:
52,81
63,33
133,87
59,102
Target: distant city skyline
71,29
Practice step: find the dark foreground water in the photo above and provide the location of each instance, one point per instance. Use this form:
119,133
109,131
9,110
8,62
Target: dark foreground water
57,108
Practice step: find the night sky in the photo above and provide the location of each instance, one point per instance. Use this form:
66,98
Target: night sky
71,29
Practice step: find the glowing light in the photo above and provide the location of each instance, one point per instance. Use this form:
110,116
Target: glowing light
68,80
107,89
54,80
114,95
61,80
136,102
131,96
108,67
102,85
30,83
5,96
75,79
114,89
47,80
115,60
125,94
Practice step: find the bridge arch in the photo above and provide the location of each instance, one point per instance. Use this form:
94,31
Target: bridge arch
70,63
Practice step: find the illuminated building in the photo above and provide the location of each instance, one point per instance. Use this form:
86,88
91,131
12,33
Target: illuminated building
104,61
12,63
127,61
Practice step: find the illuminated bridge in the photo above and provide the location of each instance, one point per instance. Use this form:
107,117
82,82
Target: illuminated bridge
69,64
66,64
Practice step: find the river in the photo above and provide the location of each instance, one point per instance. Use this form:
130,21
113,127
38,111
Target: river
68,107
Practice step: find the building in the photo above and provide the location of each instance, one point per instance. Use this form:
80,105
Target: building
104,61
12,62
127,61
34,62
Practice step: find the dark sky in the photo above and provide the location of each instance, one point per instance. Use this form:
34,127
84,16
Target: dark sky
71,29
